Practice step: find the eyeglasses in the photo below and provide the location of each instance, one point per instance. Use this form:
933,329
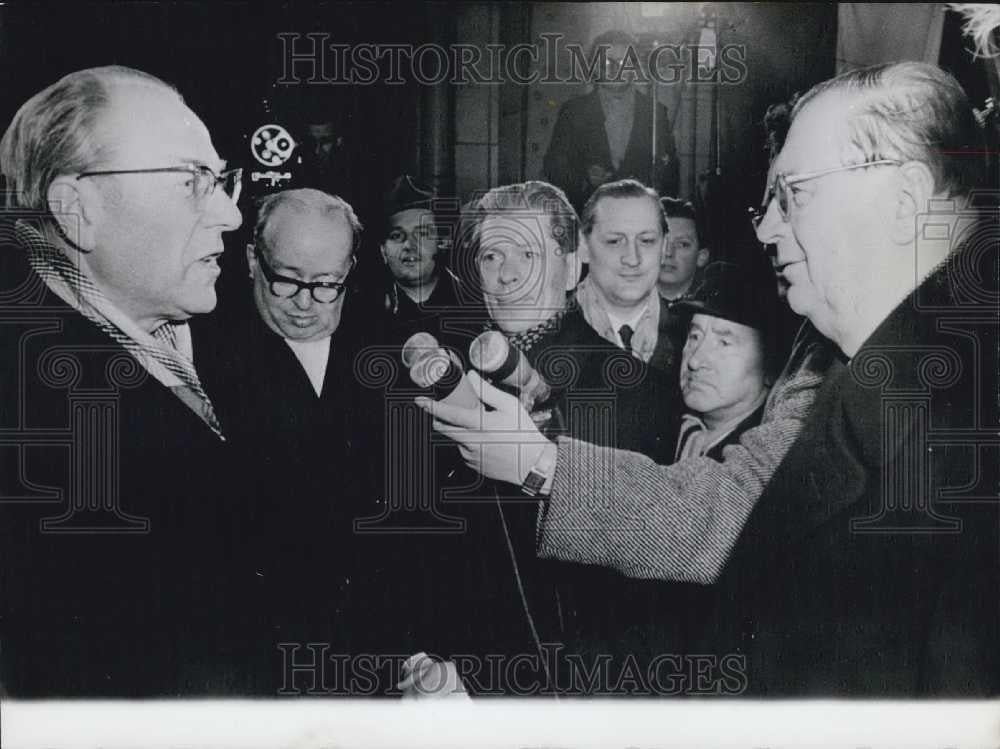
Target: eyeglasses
203,179
782,182
324,292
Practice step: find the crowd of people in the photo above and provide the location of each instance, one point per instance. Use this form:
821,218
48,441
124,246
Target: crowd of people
561,452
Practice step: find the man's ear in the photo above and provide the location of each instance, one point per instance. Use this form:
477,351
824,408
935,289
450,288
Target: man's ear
381,249
573,269
76,209
582,248
701,260
915,188
251,257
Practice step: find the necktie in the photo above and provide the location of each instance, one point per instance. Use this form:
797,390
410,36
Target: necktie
626,333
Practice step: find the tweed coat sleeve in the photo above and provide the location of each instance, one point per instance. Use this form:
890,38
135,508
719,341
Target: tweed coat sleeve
621,510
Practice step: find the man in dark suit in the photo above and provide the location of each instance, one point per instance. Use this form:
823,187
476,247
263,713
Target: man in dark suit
121,562
526,241
625,238
870,561
606,135
290,388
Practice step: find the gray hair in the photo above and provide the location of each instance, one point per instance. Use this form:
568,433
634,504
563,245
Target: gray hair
911,111
533,195
53,132
304,200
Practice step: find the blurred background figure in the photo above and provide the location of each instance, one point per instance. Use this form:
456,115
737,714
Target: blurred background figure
684,254
606,135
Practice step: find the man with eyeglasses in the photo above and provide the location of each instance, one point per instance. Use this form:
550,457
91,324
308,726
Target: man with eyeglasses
852,536
290,388
607,135
122,574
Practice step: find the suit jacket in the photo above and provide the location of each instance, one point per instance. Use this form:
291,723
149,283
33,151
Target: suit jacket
871,563
122,566
579,141
318,465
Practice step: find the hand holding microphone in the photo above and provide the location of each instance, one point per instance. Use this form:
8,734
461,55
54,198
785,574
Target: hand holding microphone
493,355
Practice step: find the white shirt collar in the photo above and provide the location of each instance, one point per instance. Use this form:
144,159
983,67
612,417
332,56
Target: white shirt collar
313,356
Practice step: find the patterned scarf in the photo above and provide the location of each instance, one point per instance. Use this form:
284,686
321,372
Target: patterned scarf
646,331
156,352
526,339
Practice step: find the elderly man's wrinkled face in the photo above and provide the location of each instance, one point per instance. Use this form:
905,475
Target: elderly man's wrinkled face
523,271
624,250
307,246
411,246
682,257
722,368
830,248
156,245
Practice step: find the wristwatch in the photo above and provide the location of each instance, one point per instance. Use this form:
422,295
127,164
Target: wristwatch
539,478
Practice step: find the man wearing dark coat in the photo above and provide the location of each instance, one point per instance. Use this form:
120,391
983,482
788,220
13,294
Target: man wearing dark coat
607,135
868,562
526,239
290,385
422,292
121,556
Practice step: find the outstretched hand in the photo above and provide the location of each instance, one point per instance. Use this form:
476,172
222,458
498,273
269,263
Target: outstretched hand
498,440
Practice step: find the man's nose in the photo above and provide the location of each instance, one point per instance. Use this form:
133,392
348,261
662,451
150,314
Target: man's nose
772,226
222,211
510,271
631,257
303,298
695,359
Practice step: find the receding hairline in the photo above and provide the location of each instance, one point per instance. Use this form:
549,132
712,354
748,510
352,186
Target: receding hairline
653,201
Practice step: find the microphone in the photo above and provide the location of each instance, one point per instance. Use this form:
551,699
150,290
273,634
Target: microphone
437,370
418,346
493,355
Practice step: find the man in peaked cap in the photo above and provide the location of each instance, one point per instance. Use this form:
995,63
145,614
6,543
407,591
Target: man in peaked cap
728,360
413,247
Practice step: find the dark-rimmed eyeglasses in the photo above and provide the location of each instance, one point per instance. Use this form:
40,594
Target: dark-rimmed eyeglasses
779,188
324,292
204,180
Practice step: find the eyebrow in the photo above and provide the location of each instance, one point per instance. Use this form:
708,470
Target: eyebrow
724,328
222,163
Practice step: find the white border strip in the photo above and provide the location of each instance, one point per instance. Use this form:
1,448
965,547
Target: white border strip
443,724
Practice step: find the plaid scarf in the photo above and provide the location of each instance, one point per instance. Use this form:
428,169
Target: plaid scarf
156,352
526,339
646,332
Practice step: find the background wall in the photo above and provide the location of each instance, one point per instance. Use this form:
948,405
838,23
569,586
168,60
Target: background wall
227,59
